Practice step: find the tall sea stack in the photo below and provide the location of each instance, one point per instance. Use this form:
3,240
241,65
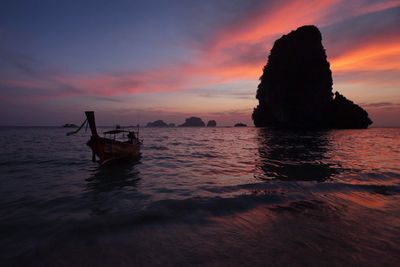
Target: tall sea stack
296,87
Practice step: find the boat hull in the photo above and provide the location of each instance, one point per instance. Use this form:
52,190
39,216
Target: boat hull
107,149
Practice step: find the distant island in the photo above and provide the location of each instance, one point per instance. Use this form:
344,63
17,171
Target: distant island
295,89
157,123
70,125
240,125
212,123
193,122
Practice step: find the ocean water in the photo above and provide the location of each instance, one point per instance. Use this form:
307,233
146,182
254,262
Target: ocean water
202,197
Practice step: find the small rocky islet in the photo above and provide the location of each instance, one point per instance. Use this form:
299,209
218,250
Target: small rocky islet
70,125
189,122
157,123
193,122
211,123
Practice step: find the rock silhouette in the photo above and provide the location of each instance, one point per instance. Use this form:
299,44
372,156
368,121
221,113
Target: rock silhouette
171,124
157,123
345,114
295,89
211,123
240,125
193,122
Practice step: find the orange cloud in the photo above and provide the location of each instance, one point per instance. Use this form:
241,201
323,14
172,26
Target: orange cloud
373,56
271,21
283,17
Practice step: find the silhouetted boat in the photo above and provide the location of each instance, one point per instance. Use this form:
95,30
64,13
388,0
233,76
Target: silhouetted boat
116,144
111,148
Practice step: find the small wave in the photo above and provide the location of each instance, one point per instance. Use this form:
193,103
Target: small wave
203,155
170,210
155,147
302,206
175,143
370,188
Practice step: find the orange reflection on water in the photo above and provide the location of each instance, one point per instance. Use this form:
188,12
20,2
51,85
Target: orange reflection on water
373,201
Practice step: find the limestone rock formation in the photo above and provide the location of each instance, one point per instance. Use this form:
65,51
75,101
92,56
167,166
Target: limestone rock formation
240,125
157,123
212,123
193,122
296,87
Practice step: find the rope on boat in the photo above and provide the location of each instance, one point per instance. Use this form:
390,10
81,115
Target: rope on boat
77,130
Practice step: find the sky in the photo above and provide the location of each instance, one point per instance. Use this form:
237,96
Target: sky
138,61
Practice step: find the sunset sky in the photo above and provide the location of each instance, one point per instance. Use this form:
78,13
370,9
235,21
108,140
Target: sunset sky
138,61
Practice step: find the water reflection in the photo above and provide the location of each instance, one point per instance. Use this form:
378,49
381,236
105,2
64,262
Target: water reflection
114,176
294,155
110,185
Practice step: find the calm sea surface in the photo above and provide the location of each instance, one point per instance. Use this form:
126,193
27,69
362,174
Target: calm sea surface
202,197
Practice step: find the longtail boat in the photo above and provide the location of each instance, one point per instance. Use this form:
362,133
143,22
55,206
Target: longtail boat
116,144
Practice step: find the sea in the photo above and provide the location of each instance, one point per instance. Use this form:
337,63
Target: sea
219,196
